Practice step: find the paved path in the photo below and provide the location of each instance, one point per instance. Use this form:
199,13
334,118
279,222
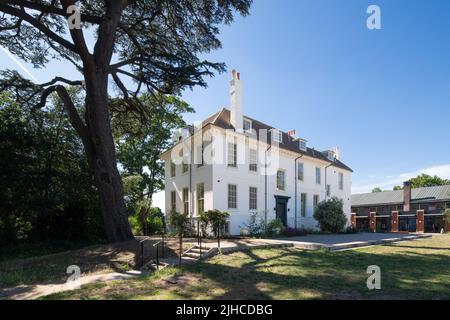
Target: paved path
27,292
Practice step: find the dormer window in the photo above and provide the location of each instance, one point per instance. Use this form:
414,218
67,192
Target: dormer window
331,155
277,136
302,144
247,125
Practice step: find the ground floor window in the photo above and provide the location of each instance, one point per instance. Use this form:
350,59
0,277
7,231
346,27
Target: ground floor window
186,200
253,198
303,204
200,198
232,196
173,201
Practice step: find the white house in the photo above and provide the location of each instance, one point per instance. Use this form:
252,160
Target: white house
237,164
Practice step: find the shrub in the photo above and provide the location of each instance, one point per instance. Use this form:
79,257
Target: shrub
274,228
254,227
213,218
330,215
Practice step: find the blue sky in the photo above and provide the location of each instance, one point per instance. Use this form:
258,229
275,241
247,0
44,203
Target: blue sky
382,96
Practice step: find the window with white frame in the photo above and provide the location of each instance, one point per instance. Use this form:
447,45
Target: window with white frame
200,198
200,157
277,135
173,201
300,171
232,196
341,181
281,181
253,161
315,201
302,144
303,197
185,200
232,154
328,190
247,125
253,198
318,176
173,169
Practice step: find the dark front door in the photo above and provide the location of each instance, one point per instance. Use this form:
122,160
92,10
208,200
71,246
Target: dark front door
281,212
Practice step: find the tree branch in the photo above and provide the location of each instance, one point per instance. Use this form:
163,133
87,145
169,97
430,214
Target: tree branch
41,27
53,10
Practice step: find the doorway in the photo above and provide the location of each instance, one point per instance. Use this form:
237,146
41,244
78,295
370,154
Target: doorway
281,208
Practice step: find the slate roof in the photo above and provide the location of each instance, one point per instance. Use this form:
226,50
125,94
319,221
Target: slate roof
426,194
222,119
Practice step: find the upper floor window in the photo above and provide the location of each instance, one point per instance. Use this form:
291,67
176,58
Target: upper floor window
200,158
232,196
253,161
341,181
277,135
184,165
281,181
300,171
318,176
173,169
232,154
247,125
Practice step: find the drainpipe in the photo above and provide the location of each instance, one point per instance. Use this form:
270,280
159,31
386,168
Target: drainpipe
296,181
265,187
190,174
326,179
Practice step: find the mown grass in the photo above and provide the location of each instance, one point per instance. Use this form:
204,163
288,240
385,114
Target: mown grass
409,270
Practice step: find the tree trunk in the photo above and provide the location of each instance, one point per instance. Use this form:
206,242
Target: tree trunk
101,154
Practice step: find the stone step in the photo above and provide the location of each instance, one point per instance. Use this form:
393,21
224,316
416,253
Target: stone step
192,255
197,250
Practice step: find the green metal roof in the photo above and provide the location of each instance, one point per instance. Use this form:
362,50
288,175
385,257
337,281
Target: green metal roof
438,193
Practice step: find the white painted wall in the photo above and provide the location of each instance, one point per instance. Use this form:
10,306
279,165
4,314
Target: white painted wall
216,178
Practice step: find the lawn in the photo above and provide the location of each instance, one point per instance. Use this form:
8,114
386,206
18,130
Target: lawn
409,270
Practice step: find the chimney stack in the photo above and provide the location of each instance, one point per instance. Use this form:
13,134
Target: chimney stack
236,95
407,196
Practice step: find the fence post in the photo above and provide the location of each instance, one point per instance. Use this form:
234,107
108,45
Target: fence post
157,256
142,252
420,223
218,236
394,221
373,221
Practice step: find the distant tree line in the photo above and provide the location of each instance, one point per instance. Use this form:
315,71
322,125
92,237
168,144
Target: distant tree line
423,180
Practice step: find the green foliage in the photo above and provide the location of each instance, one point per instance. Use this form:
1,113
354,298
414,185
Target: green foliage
46,190
179,223
274,228
397,188
425,180
140,141
447,214
330,215
377,189
254,227
146,221
214,218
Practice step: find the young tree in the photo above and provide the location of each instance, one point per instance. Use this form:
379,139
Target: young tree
377,189
155,43
180,223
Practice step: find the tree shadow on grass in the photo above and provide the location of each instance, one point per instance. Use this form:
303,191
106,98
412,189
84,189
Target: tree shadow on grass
295,275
